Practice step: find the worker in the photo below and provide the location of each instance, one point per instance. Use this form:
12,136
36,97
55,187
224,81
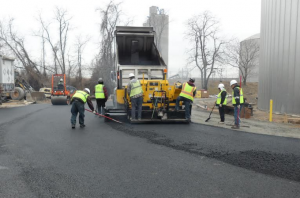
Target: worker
222,102
78,100
237,102
61,82
187,95
135,92
101,96
60,85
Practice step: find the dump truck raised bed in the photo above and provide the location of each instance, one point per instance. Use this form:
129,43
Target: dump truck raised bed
137,53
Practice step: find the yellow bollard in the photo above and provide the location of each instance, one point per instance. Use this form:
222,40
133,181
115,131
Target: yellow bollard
271,111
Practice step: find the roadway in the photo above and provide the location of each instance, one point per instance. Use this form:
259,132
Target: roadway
41,156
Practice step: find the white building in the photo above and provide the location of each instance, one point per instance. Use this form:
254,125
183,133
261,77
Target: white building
160,22
279,56
249,48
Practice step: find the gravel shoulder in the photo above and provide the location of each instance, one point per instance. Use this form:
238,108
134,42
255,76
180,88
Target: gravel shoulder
247,125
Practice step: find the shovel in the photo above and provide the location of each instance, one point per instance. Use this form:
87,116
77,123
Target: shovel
210,113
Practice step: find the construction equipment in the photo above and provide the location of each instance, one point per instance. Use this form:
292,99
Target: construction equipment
61,93
137,53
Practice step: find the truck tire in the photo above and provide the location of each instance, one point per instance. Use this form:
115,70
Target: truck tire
18,94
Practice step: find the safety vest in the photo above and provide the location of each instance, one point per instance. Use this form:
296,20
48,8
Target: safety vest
187,91
82,95
136,88
241,96
99,92
220,98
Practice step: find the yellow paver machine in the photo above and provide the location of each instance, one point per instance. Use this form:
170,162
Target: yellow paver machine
137,53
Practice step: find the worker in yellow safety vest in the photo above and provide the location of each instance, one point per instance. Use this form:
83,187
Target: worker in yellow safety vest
101,96
222,102
78,100
237,102
187,95
135,92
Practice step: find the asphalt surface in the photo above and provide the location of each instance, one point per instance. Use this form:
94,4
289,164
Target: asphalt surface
41,156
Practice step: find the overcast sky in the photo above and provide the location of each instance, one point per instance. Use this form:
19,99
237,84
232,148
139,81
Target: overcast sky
239,18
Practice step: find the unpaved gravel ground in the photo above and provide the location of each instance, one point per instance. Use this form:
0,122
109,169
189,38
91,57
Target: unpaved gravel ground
199,115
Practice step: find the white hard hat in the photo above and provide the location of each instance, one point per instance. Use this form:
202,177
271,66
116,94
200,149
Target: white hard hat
221,86
87,90
232,82
100,80
131,75
61,79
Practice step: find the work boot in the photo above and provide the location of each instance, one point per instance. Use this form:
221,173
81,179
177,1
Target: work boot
221,122
82,126
73,126
235,127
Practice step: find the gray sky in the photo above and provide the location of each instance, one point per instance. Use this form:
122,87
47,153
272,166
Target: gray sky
239,18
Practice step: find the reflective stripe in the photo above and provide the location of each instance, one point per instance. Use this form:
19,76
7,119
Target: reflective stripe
187,91
220,98
99,91
241,96
82,95
136,88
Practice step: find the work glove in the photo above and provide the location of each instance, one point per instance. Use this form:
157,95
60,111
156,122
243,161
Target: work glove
94,112
238,106
220,105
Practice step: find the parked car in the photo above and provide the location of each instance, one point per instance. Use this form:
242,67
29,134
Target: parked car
47,92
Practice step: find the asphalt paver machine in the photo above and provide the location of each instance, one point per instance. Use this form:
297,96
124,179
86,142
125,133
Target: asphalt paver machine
137,53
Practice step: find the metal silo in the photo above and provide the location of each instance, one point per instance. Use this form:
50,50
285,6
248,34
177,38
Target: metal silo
279,72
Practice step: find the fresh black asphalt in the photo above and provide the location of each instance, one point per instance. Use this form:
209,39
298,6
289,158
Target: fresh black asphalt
41,156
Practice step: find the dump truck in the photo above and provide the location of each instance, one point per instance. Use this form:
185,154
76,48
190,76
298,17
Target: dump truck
137,53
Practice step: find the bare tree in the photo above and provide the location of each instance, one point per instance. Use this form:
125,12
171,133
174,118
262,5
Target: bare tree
10,38
59,50
43,61
80,45
71,69
104,64
244,56
207,47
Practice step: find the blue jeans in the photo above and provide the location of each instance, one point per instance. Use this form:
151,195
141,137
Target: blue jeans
236,117
136,103
187,104
77,107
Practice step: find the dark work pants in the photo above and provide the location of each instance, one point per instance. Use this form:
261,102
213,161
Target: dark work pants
101,105
77,107
136,103
222,113
187,106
